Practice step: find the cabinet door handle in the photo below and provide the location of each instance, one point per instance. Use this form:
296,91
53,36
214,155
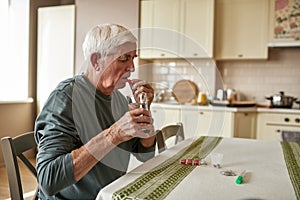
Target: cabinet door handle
240,55
201,113
278,131
286,119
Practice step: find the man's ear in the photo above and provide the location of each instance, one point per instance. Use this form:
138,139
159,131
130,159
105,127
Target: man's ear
95,60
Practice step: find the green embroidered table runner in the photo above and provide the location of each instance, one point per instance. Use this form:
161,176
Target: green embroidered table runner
161,180
291,152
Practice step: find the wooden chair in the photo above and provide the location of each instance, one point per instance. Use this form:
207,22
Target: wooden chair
167,132
13,148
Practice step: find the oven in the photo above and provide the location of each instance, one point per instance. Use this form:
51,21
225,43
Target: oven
273,126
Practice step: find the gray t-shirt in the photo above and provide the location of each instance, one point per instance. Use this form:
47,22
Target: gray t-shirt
74,113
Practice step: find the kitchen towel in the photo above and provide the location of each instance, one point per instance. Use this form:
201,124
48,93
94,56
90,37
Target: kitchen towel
291,152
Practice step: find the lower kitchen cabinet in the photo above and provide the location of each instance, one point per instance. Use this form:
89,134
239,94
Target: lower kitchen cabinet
164,116
198,121
245,125
254,123
207,123
271,125
219,123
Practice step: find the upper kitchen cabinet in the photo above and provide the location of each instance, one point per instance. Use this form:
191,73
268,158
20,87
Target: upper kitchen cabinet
241,29
198,27
284,23
159,36
176,28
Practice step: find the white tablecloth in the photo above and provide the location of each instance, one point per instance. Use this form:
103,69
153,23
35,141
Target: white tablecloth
266,173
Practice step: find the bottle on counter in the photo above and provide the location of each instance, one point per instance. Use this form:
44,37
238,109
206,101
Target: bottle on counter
202,98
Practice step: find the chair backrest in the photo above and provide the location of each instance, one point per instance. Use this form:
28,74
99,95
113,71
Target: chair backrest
290,136
174,130
13,148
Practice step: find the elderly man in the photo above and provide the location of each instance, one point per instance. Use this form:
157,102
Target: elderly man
86,131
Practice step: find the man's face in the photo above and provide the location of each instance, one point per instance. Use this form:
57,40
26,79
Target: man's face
119,67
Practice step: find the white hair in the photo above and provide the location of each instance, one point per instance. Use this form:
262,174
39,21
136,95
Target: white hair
105,38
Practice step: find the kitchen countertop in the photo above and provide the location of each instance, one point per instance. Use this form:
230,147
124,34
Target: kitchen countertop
228,109
279,110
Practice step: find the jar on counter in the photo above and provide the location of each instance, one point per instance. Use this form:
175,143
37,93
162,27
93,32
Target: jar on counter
202,98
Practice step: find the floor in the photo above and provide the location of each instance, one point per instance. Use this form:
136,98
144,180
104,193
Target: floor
29,183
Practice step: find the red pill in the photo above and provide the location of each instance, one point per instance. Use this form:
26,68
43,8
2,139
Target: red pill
183,161
196,162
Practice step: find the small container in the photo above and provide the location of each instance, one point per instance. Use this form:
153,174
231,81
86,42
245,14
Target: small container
216,159
143,100
202,98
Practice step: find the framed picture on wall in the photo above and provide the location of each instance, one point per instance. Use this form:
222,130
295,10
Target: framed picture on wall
286,19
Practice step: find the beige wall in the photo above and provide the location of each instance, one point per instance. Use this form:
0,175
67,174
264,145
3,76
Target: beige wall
15,118
90,13
258,79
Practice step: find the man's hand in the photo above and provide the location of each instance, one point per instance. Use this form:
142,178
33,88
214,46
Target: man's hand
139,86
135,123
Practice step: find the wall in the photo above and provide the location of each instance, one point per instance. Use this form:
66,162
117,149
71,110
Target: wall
15,118
253,79
165,73
258,79
18,117
93,12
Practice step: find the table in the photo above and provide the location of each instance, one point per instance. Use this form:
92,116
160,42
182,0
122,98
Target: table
267,176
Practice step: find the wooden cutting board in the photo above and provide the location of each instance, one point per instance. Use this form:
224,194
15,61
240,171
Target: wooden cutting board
184,91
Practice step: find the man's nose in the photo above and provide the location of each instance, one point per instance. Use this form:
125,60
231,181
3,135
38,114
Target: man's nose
131,66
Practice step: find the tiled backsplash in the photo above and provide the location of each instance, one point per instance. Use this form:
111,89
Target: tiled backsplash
253,79
166,73
258,79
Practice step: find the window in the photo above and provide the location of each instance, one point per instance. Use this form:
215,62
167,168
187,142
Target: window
14,49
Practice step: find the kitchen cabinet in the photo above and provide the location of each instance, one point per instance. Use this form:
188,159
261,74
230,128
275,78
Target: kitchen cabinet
271,125
245,125
196,122
218,123
197,24
241,29
207,123
159,29
176,28
284,26
164,116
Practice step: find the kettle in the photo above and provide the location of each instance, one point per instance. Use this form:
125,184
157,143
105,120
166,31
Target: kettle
229,94
221,95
